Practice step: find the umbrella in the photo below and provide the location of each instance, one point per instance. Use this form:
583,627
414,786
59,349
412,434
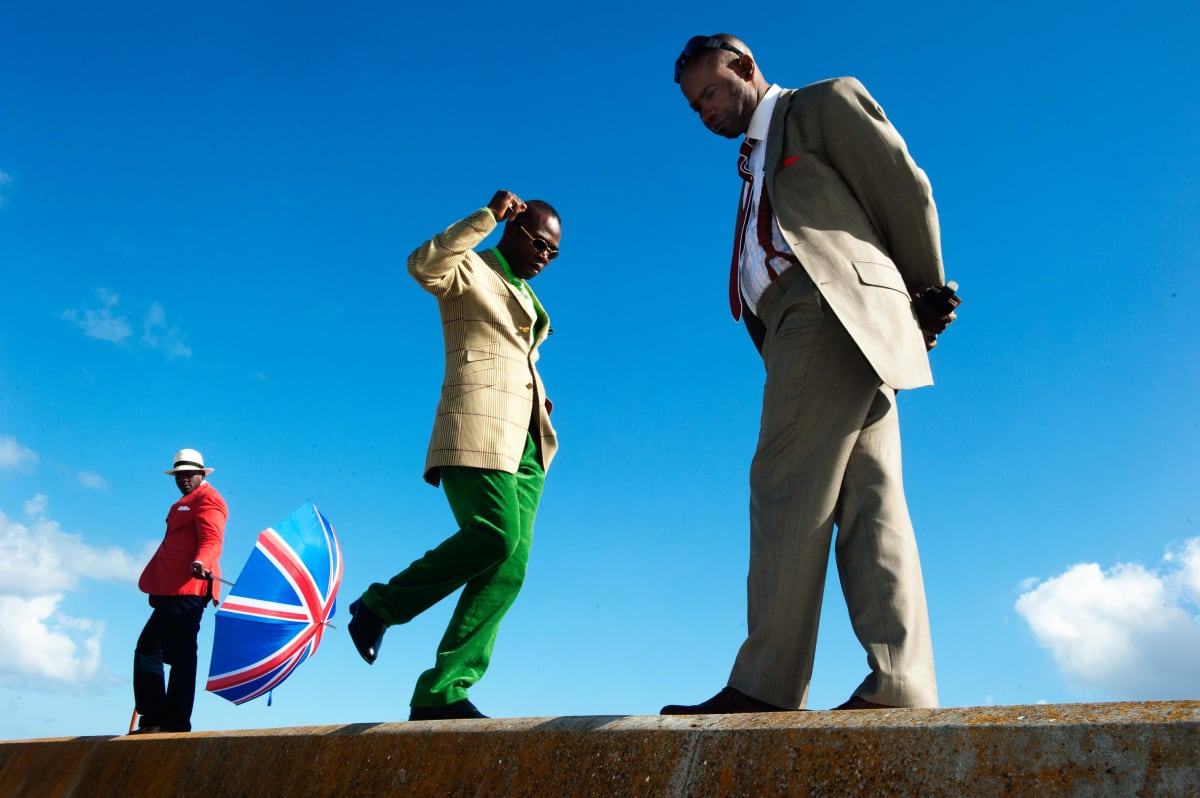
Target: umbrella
275,615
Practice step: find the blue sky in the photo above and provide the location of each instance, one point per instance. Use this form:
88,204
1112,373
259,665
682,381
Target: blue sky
204,216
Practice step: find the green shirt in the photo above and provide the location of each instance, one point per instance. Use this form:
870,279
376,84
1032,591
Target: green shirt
538,311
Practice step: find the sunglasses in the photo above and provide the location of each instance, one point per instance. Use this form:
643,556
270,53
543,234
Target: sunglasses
697,44
539,244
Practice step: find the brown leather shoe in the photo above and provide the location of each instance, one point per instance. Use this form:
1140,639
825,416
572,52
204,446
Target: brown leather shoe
861,703
727,702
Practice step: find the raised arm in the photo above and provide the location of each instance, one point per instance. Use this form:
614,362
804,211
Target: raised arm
442,264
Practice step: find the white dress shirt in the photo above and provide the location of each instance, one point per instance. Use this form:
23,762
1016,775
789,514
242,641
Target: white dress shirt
752,267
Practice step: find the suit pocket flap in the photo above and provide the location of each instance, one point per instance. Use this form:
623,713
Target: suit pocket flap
881,275
482,353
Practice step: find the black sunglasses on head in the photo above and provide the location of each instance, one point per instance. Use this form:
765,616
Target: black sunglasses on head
696,44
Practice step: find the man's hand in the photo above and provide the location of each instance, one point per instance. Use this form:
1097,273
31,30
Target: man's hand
199,571
505,205
934,307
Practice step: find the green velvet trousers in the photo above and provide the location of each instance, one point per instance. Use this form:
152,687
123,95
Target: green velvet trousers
486,557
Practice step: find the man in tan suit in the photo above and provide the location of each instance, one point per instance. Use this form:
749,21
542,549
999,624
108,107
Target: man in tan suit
837,245
491,445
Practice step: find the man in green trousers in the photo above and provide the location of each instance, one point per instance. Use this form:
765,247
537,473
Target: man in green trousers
492,442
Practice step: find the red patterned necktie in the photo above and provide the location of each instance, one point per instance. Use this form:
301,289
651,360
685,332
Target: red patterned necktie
743,167
766,237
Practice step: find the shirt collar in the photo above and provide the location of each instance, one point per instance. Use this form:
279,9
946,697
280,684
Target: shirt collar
512,278
523,287
761,121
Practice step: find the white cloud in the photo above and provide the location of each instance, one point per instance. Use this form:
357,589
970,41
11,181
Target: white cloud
1189,568
1028,583
1131,632
108,322
37,643
90,479
14,456
39,558
157,334
101,322
39,564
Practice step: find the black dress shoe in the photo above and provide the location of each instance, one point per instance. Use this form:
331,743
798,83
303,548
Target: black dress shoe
854,702
459,710
147,730
366,630
727,702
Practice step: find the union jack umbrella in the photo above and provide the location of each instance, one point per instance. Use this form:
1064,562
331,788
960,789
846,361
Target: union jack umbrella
275,615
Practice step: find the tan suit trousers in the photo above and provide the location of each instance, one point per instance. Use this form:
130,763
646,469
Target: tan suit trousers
828,454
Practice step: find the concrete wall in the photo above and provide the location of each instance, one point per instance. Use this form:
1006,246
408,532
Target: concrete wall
1081,749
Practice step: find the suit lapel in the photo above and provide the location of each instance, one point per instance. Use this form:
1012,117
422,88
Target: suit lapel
524,301
535,313
542,325
775,142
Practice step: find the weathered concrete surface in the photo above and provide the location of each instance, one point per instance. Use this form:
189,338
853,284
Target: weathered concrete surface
1131,749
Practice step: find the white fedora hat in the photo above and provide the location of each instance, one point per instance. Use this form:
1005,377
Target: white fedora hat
188,460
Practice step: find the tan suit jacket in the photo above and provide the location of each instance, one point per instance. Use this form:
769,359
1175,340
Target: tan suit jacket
859,214
492,395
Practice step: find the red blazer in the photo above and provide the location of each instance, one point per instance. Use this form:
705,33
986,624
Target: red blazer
195,529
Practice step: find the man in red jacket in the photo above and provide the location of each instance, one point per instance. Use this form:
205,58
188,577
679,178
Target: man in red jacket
179,578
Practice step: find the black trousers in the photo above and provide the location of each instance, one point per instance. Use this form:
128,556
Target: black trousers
169,637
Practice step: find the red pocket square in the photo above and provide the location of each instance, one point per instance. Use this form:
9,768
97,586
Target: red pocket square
791,159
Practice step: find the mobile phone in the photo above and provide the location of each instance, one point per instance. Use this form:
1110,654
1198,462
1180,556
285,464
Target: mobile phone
943,298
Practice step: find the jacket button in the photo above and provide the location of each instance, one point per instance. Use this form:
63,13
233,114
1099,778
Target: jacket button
530,386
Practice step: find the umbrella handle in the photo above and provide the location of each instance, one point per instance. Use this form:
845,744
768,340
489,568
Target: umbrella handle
209,578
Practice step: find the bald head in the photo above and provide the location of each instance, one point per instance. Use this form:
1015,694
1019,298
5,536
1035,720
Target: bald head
721,82
722,47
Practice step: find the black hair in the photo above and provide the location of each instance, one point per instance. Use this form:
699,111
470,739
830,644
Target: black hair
542,207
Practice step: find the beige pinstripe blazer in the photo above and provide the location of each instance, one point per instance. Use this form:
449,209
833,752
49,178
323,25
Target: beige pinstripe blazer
859,214
492,394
